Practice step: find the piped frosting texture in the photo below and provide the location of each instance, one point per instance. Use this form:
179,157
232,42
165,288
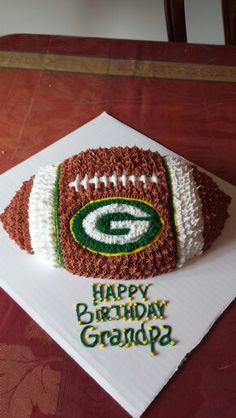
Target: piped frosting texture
41,218
15,217
56,214
75,193
187,209
214,206
113,179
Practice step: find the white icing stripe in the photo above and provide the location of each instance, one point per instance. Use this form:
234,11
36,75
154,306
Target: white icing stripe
114,179
41,222
187,208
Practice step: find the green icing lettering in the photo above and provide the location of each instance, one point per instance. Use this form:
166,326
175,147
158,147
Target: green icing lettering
140,310
144,291
121,288
141,336
116,308
154,334
151,310
110,292
82,310
128,311
132,289
103,336
89,340
105,310
97,293
116,337
166,338
129,334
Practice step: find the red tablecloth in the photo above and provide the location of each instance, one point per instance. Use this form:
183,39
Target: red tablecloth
182,95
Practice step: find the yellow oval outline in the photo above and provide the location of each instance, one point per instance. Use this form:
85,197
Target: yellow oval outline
137,250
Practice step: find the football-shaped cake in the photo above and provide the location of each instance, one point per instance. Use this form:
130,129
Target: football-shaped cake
122,213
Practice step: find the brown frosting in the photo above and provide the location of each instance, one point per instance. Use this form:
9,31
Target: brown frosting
157,258
15,217
214,206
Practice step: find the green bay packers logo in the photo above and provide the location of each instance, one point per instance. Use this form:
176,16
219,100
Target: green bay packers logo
116,226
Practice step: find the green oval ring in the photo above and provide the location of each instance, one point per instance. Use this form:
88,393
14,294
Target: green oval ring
81,237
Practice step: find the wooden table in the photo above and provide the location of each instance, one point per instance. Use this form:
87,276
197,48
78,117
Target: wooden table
182,95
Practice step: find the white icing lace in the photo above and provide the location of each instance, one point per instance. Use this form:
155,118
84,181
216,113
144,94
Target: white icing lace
41,223
113,179
187,208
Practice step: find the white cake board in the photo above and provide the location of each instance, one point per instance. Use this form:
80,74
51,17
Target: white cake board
130,376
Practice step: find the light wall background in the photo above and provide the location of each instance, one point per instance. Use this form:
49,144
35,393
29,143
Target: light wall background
130,19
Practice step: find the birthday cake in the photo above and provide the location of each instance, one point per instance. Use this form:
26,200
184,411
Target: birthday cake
119,212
